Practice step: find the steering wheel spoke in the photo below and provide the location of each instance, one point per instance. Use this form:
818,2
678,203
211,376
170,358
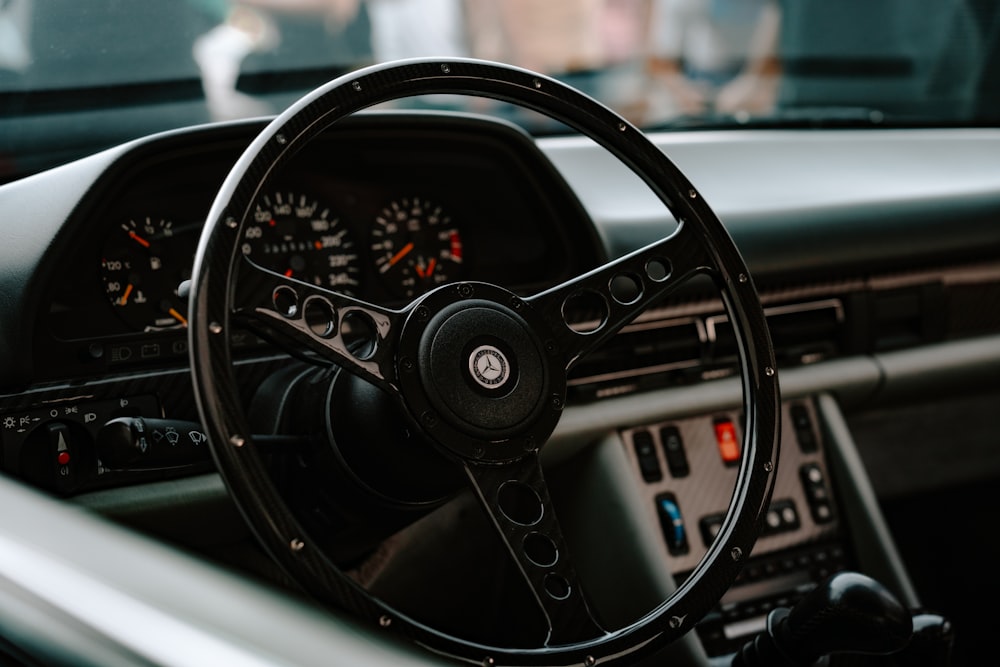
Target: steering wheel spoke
517,501
587,310
356,335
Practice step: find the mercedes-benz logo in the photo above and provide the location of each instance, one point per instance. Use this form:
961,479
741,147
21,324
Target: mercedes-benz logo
488,367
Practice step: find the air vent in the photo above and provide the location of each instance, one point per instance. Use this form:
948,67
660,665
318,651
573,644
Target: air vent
678,351
907,316
685,341
641,351
800,332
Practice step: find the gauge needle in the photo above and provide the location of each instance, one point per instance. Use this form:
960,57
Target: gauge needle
398,256
288,273
177,316
128,292
426,272
138,239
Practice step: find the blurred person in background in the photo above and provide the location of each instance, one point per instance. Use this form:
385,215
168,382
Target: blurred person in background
318,30
220,52
248,27
14,20
563,39
716,56
417,28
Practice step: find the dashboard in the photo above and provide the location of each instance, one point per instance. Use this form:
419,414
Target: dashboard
382,207
879,285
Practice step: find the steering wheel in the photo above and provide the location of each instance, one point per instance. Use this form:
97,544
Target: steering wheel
478,371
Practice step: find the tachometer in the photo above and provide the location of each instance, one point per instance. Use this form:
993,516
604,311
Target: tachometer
142,265
415,247
296,235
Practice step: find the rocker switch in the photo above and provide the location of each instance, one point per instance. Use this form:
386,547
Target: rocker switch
645,452
673,451
672,523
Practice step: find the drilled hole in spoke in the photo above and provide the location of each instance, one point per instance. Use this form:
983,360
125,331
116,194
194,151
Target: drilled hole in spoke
658,269
285,301
540,549
557,587
585,311
626,288
320,317
359,334
519,503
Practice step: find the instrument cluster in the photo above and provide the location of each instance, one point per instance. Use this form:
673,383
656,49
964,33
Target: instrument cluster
409,246
385,209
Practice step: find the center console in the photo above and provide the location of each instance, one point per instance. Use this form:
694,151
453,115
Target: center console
684,471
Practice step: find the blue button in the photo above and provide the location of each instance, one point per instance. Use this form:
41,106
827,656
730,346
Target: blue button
672,524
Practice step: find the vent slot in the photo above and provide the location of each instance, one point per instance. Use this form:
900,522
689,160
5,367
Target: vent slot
908,316
800,333
677,351
643,349
693,340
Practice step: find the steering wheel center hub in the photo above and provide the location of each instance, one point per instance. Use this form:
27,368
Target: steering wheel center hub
475,374
482,369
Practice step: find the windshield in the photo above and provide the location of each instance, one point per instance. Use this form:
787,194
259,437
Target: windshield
76,74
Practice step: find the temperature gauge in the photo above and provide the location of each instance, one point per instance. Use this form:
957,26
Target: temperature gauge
142,265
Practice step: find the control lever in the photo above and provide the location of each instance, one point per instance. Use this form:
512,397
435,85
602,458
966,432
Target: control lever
847,613
143,443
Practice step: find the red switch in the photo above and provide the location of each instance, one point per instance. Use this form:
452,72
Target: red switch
729,444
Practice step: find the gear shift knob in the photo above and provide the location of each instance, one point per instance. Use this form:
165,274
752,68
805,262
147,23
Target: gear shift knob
847,613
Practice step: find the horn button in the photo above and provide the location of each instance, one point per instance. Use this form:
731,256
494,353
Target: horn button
482,385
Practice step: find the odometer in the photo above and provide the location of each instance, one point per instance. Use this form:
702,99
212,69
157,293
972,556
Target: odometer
300,237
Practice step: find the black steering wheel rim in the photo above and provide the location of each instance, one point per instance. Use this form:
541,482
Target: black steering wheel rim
241,466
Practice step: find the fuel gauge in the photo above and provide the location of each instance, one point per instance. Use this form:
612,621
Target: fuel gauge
142,264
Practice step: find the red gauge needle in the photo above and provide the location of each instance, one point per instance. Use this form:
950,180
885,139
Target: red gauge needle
138,239
177,316
400,255
128,292
425,272
288,273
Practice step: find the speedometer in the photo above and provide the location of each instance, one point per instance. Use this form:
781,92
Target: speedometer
300,237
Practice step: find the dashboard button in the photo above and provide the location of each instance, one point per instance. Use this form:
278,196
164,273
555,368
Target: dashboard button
673,451
802,424
817,493
672,524
729,443
645,452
